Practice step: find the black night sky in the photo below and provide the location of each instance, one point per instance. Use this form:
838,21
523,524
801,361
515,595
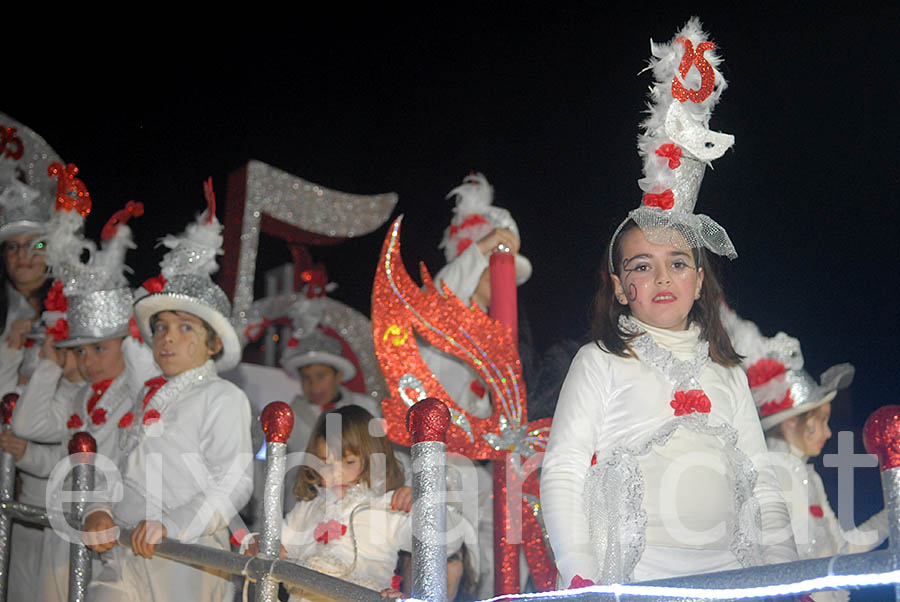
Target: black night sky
546,103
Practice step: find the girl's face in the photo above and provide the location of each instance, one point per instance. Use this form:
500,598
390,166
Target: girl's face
24,259
179,342
100,361
658,283
338,475
810,436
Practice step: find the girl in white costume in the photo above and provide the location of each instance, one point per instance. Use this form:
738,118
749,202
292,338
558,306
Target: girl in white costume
186,458
794,410
655,462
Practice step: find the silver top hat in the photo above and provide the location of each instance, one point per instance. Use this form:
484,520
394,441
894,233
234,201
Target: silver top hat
97,316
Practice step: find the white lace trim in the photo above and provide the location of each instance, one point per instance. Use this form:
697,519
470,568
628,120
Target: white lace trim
684,375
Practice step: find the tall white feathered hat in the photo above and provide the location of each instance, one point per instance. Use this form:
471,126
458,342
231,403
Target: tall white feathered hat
26,189
677,144
474,217
185,283
781,388
309,344
98,298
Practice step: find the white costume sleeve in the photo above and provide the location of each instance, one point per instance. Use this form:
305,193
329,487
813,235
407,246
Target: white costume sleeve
863,538
565,466
778,535
224,439
42,411
40,459
463,273
10,359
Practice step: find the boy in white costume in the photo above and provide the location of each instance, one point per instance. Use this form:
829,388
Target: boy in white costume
655,466
185,445
95,303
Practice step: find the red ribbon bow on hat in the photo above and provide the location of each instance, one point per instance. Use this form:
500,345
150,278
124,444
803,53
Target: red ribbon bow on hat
664,200
672,152
688,402
56,300
59,331
155,284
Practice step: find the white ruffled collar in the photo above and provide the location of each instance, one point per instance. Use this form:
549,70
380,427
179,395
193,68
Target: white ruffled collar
682,343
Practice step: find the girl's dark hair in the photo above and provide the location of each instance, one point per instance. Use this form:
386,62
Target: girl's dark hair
212,338
356,439
705,311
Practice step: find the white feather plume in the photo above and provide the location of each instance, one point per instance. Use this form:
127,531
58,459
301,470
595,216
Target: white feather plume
474,195
194,250
111,257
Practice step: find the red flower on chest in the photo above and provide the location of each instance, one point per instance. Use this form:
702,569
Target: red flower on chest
74,422
816,511
329,530
688,402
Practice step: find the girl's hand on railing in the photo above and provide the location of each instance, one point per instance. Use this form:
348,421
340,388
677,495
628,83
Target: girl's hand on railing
146,535
402,499
12,444
100,531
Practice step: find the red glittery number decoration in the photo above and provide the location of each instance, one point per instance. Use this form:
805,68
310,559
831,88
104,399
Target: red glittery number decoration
881,436
400,307
11,145
71,193
707,75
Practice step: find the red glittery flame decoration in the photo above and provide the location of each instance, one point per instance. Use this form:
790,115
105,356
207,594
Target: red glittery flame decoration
121,216
82,442
210,199
707,75
881,436
7,405
428,420
400,307
11,145
71,193
277,421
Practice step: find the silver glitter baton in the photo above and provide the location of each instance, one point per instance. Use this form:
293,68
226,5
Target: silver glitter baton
427,422
277,421
82,448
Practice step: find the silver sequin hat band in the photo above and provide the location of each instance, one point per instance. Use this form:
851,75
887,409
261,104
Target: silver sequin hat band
317,348
98,316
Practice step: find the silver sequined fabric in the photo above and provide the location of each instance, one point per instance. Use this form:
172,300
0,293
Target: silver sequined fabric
100,315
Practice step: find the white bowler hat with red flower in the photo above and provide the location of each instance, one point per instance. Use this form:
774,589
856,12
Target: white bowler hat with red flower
780,387
474,217
185,283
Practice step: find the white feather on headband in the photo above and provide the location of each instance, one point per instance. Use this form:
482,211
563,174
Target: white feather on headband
195,251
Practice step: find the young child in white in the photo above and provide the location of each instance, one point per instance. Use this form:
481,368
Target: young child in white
654,463
794,410
95,303
185,444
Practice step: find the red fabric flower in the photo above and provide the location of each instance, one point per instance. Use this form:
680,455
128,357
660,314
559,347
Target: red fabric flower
237,537
329,530
29,343
688,402
56,300
151,417
763,371
126,420
397,583
134,331
579,581
98,416
773,407
816,511
59,331
663,200
292,342
155,284
74,422
477,388
672,152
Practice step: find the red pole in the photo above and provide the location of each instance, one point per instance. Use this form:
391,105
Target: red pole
504,308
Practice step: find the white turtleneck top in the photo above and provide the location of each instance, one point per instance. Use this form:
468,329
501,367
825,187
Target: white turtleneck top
670,496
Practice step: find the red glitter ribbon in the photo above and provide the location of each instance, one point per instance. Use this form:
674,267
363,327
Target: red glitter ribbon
121,217
707,75
153,385
664,200
688,402
881,436
672,152
329,531
277,421
56,300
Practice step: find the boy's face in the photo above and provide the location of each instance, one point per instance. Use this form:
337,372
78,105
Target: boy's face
179,342
100,361
320,383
